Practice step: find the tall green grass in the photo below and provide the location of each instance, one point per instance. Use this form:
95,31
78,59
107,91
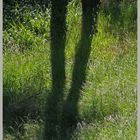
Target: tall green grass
108,103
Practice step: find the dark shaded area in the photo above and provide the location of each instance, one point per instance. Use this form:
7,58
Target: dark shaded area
17,113
121,14
114,10
41,2
12,8
55,99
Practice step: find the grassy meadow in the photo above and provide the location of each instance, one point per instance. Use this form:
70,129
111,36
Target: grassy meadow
108,99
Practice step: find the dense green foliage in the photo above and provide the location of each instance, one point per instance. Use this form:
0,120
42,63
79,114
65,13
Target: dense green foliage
108,101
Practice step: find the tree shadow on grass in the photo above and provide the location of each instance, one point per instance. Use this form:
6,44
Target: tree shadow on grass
55,99
70,108
62,117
